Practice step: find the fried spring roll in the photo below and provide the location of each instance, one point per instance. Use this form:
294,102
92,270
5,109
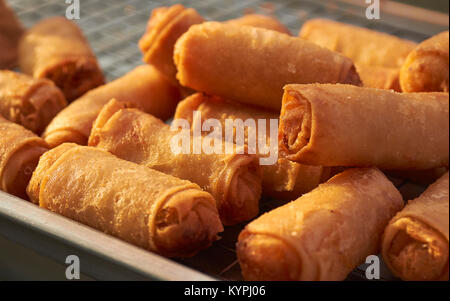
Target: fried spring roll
167,24
152,210
343,125
11,30
234,180
426,67
364,46
251,65
20,150
415,243
55,48
143,87
379,77
29,102
324,234
282,176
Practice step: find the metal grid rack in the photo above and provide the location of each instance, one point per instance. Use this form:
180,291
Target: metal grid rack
114,27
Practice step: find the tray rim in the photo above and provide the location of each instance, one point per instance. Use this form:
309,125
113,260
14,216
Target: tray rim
149,265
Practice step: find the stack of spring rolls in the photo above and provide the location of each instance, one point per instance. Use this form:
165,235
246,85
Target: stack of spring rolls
316,121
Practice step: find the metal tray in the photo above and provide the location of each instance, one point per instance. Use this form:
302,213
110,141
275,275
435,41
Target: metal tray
34,242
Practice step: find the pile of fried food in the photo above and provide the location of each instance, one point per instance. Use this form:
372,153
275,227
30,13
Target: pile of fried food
353,106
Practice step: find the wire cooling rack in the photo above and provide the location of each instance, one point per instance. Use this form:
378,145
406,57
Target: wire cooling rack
114,27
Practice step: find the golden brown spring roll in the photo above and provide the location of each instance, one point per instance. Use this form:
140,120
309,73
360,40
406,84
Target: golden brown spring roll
152,210
234,180
29,102
11,30
415,243
251,65
55,48
379,77
344,125
364,46
20,150
324,234
284,175
143,87
426,67
167,24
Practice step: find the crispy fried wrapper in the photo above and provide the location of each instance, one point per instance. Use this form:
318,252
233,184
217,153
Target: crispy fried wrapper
415,243
233,179
167,24
29,102
426,67
324,234
11,29
364,46
344,125
284,179
20,151
251,65
147,208
143,87
55,48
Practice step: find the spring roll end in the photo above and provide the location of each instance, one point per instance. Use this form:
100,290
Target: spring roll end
414,251
242,190
19,169
45,162
295,124
266,258
181,230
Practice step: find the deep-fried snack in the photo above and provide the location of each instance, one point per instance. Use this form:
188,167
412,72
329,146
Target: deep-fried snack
10,32
344,125
251,65
324,234
20,150
55,48
143,87
415,243
152,210
426,67
234,180
29,102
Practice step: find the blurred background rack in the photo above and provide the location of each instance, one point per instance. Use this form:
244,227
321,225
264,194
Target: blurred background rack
113,28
